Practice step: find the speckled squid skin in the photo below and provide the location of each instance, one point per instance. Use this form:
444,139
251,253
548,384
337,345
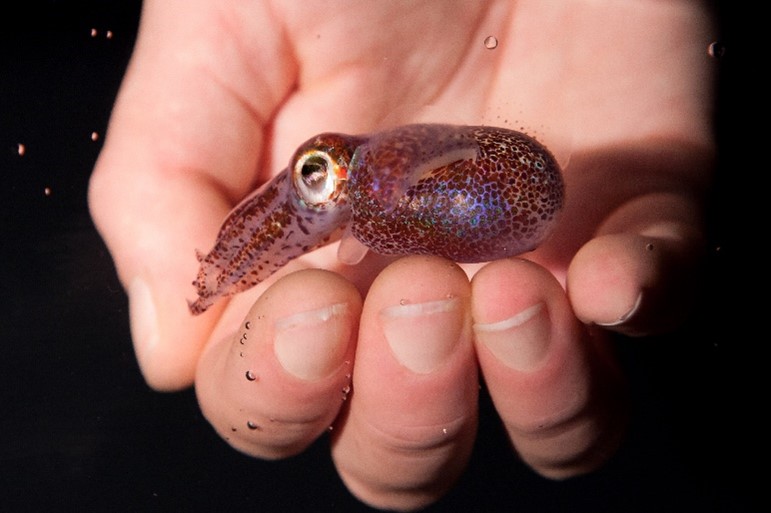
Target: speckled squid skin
467,193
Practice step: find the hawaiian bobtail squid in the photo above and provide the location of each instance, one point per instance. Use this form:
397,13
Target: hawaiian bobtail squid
466,193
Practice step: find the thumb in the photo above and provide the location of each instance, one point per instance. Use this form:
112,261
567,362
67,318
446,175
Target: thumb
148,222
181,148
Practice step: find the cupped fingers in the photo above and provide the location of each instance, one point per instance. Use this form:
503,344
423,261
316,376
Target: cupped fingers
411,421
272,388
553,385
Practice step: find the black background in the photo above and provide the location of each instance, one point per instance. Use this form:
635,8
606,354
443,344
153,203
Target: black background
79,430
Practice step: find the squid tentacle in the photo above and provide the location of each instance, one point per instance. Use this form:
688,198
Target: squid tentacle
261,235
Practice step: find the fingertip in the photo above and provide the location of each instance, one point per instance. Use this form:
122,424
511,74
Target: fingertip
632,283
416,312
272,388
524,330
502,287
606,277
542,370
637,276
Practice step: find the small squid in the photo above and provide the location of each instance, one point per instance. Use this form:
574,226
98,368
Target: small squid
466,193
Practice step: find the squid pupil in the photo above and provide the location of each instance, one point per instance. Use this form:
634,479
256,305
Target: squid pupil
314,171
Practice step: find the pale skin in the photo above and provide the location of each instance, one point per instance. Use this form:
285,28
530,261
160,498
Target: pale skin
218,95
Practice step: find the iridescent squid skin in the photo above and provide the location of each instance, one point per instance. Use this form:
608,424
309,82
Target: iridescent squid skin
466,193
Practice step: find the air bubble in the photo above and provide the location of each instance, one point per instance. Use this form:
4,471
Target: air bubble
94,136
248,325
21,149
251,376
253,426
47,191
491,42
716,49
94,32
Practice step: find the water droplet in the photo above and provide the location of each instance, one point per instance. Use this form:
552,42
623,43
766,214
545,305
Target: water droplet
403,301
248,325
251,376
347,389
331,428
108,35
649,246
21,149
716,49
444,431
491,42
253,426
47,191
94,32
94,136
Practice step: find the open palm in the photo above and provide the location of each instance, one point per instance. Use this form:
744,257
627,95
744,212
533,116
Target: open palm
217,97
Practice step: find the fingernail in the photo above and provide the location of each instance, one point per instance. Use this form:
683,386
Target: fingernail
143,318
311,345
628,315
519,342
423,335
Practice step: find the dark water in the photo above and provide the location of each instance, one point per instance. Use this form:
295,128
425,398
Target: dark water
79,430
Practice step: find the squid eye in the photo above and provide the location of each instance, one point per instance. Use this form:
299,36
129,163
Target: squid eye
315,177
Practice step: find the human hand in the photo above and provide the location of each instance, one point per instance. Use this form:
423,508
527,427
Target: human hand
218,95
